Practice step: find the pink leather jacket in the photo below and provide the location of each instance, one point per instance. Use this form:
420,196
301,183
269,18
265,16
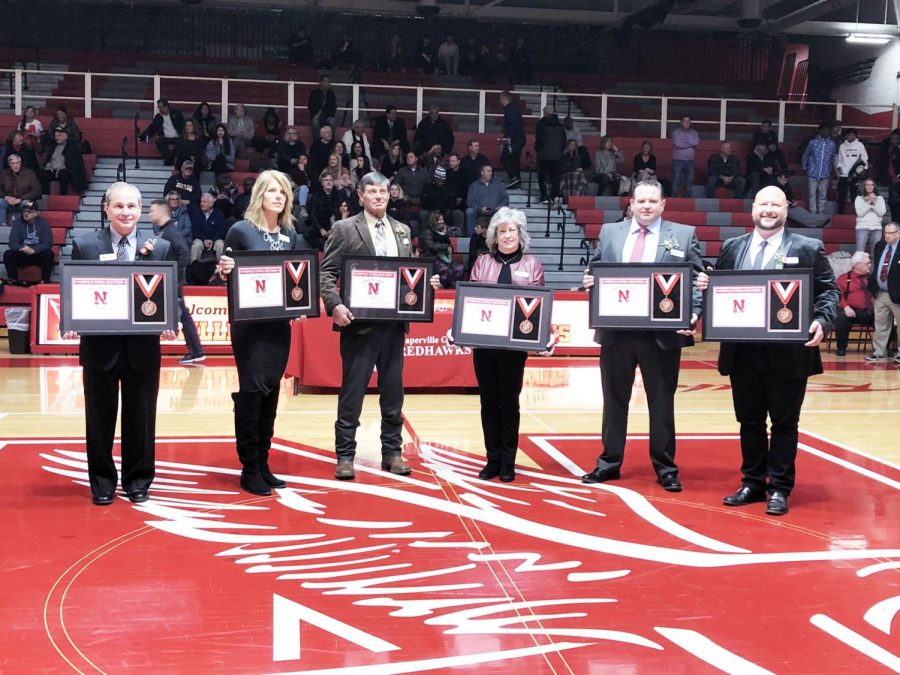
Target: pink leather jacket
526,272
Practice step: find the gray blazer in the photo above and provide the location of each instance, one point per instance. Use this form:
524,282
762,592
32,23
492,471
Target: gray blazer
612,241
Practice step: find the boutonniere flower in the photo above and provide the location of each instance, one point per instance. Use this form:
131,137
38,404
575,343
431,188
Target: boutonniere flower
671,244
779,260
148,246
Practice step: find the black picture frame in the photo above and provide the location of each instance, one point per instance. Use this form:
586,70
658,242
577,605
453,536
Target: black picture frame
653,307
118,298
514,302
756,308
293,298
412,297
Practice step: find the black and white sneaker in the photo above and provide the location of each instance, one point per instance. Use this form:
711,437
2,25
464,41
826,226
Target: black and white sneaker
875,357
191,358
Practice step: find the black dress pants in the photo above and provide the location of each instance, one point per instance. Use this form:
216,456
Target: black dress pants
842,324
659,370
13,260
758,391
500,373
548,172
380,347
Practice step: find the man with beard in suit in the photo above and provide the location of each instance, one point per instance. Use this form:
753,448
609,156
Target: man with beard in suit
769,379
645,238
129,361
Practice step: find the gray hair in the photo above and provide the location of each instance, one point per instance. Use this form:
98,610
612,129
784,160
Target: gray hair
119,185
507,215
372,178
858,257
13,156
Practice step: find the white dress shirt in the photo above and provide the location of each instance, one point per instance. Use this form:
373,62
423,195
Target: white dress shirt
773,243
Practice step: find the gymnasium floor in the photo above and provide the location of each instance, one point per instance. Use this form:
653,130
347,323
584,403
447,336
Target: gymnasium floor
440,572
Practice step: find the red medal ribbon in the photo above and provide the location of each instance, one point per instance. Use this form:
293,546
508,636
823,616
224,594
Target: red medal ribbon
295,272
785,294
666,285
412,279
148,289
527,307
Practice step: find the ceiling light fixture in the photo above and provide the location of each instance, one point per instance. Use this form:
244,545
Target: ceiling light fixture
869,38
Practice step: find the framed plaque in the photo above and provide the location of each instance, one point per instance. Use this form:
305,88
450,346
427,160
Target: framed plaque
502,316
758,305
269,285
641,296
112,298
382,288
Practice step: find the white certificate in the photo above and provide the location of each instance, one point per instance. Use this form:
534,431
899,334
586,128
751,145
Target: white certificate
260,286
373,289
486,316
97,299
739,307
624,296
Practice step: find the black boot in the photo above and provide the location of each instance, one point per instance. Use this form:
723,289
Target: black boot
508,465
268,410
492,468
246,434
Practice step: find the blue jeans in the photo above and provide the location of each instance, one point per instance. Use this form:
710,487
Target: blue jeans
683,174
189,328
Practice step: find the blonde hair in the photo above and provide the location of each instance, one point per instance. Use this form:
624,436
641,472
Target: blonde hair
264,181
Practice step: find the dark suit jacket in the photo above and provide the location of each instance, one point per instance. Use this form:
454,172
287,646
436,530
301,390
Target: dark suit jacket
612,240
351,237
893,280
156,126
788,360
381,131
102,351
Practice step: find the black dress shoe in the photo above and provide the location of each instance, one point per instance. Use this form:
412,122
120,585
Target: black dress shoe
490,470
600,476
744,496
777,504
670,482
507,474
138,496
102,499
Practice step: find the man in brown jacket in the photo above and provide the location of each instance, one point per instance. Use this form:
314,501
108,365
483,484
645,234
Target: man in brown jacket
16,184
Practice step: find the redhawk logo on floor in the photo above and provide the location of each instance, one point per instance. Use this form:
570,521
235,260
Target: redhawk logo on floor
438,570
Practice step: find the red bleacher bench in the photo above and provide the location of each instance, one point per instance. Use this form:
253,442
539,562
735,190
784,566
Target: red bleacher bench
58,218
63,203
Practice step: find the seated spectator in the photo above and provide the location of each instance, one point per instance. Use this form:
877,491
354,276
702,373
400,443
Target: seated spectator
348,206
426,60
470,63
435,243
486,195
289,151
776,159
760,170
644,163
167,125
191,145
797,214
857,304
341,151
724,168
321,205
393,161
433,131
180,214
357,134
18,185
241,129
342,211
389,128
412,178
346,184
208,229
572,168
32,128
456,179
16,145
870,209
242,201
220,151
62,120
395,55
765,135
477,243
606,162
431,159
300,48
301,180
439,197
268,132
345,54
850,164
397,204
30,243
224,192
359,163
205,120
65,164
185,183
448,56
321,150
334,167
322,105
470,165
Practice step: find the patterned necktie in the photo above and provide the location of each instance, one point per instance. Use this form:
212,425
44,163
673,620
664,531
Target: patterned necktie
381,247
883,272
758,261
122,250
637,253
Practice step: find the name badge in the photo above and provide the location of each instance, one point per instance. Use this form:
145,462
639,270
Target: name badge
676,253
107,256
283,237
791,260
520,273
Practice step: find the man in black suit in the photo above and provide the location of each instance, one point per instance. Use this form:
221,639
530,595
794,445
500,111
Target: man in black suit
387,129
167,125
769,379
884,282
109,361
646,238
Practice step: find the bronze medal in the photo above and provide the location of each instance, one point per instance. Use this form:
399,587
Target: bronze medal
411,298
148,308
784,315
666,305
525,327
297,294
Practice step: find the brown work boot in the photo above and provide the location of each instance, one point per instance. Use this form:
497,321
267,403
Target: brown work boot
344,470
396,465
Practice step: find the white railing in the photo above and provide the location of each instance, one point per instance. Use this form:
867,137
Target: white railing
668,109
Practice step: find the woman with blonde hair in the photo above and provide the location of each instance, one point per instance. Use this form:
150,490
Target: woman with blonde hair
260,347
